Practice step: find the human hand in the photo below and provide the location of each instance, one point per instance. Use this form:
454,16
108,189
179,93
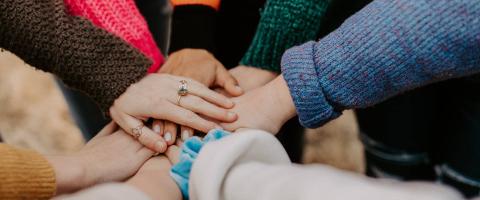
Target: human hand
266,108
109,156
199,65
156,96
250,78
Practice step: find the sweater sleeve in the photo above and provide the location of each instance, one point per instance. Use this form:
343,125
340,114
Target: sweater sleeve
25,174
388,47
221,169
82,55
283,24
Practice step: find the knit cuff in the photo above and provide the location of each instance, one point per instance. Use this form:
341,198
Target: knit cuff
283,24
180,172
298,69
193,26
25,174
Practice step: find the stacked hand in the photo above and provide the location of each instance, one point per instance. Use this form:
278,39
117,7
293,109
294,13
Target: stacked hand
157,96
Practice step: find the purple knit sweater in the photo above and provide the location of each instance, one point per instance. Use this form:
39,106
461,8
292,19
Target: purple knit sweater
388,47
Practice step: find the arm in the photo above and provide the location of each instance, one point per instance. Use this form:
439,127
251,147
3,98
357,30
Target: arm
283,24
83,56
260,158
388,47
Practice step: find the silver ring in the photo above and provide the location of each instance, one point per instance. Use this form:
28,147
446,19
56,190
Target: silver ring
137,131
183,89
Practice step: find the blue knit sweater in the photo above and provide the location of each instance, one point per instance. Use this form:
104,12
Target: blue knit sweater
388,47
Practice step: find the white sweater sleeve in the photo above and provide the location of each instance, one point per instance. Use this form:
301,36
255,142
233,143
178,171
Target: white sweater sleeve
253,165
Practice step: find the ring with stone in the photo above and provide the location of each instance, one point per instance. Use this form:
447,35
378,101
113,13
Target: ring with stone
183,89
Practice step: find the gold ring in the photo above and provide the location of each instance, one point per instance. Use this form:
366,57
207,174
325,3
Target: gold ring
178,100
183,89
137,131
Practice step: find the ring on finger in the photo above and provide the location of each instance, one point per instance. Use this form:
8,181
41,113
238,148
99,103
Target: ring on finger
137,131
183,89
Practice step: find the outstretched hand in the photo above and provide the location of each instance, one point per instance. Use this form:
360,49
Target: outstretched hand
266,108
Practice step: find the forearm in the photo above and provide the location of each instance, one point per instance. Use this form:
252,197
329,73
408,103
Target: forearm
388,47
82,55
283,24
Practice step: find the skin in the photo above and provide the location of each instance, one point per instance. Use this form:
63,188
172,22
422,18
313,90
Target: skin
155,96
213,74
109,156
259,108
154,180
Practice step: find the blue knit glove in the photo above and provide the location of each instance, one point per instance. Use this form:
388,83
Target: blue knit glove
180,172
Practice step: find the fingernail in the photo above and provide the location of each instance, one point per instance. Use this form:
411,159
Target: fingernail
159,146
219,127
156,128
231,115
168,136
238,88
185,135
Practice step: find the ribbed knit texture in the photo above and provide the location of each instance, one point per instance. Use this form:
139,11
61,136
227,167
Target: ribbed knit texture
388,47
25,174
122,18
283,24
83,56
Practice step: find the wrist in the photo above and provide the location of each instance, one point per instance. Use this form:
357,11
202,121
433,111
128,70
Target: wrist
280,91
69,173
156,185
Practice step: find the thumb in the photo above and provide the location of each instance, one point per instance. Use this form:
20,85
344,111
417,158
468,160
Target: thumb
225,80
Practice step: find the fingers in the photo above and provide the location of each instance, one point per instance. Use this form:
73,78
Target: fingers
170,132
186,132
225,80
158,126
198,89
173,154
200,106
181,116
147,137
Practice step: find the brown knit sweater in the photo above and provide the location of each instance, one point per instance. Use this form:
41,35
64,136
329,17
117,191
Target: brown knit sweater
83,56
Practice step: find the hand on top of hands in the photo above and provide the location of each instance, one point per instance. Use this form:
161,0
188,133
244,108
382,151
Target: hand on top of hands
156,96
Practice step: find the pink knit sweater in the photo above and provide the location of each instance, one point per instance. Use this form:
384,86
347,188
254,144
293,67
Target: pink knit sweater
121,18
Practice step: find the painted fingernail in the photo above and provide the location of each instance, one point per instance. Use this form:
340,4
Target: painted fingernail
159,146
238,88
185,135
156,128
168,136
219,127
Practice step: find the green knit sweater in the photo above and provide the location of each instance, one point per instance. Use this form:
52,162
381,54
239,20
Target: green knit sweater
283,24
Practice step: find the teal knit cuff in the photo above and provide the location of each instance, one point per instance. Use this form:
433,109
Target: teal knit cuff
283,24
180,172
